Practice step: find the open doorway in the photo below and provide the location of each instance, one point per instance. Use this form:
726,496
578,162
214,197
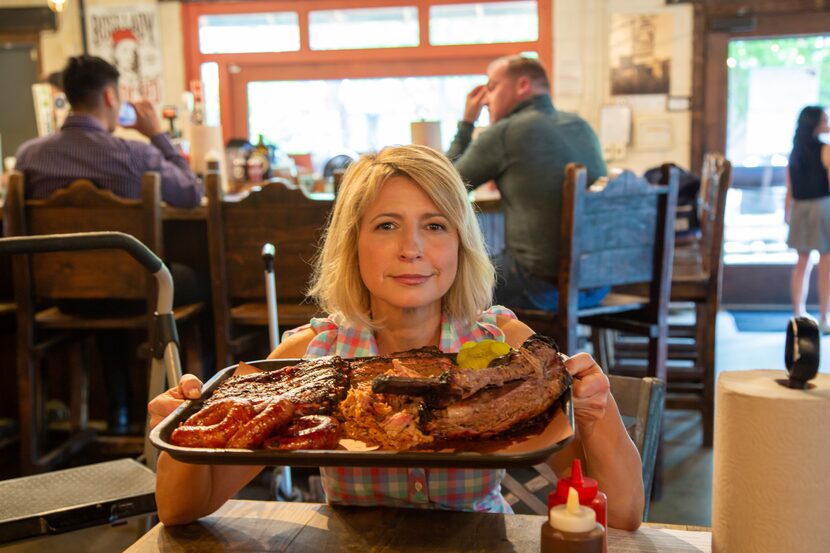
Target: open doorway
770,81
755,73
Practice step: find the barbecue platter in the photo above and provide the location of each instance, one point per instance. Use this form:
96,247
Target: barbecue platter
510,407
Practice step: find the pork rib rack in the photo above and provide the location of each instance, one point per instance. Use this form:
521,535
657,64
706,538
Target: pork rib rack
315,387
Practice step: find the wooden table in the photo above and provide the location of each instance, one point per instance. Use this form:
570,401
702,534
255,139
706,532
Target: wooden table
312,527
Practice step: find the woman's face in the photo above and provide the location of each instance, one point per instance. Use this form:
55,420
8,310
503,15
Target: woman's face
407,249
823,126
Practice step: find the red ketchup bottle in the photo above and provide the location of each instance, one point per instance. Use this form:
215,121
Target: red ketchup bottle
589,494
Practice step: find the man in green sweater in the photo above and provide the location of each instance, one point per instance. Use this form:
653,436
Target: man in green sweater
525,151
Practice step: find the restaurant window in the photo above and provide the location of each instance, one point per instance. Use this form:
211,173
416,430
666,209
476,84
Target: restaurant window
363,28
356,115
210,90
770,81
321,76
249,32
483,23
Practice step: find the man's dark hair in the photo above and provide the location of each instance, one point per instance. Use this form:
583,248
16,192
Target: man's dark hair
55,78
520,66
84,79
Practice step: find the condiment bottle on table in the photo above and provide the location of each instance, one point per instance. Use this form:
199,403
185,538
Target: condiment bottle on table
586,488
572,528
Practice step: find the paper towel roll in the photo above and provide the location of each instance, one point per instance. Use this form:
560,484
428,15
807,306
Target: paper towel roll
771,486
205,140
427,133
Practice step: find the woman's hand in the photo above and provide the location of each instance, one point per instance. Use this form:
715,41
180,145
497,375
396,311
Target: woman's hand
590,389
162,405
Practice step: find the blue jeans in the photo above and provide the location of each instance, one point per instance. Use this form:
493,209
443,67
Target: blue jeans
518,287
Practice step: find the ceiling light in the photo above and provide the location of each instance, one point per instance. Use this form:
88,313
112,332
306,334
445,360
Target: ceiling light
56,5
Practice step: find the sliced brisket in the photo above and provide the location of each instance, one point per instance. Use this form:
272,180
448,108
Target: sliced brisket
462,403
494,410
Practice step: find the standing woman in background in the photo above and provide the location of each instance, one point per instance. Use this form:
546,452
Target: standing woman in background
807,210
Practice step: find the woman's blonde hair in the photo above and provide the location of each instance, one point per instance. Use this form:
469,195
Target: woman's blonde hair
336,284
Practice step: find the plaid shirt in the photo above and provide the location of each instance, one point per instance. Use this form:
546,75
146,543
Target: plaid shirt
450,489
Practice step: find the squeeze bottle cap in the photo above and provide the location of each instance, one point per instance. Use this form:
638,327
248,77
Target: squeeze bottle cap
572,517
587,488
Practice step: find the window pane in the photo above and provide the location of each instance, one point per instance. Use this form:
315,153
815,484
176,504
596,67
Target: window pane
483,23
210,92
358,115
249,32
363,28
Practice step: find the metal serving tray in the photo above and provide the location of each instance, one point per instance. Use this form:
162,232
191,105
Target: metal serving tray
523,449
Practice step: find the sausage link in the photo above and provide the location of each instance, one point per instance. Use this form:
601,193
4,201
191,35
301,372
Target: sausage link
309,432
214,435
250,435
212,414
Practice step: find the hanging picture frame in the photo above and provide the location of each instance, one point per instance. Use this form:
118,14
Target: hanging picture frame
640,50
128,37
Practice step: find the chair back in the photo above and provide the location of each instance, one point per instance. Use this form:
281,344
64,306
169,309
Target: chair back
615,233
641,402
613,229
715,179
82,207
237,229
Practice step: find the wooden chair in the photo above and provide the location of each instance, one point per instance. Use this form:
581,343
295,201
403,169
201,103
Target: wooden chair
696,280
41,280
612,235
237,229
640,401
9,431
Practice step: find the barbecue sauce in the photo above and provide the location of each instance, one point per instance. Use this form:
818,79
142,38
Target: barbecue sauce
572,528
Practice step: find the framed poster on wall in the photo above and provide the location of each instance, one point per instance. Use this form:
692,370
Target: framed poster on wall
128,37
640,50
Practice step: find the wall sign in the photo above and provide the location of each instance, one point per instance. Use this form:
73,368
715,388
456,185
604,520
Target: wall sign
128,37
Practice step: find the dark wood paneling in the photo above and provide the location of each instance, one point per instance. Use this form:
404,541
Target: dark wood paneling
762,286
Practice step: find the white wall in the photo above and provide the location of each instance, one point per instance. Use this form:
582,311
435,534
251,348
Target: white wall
581,72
